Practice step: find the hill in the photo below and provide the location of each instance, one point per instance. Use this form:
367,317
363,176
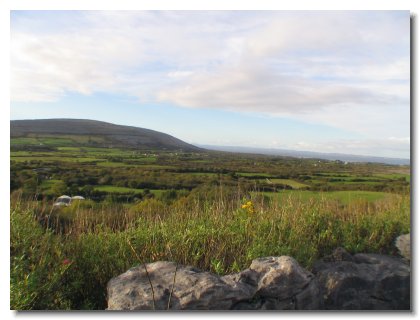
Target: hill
99,133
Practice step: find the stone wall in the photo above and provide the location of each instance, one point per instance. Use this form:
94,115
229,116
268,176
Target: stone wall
340,281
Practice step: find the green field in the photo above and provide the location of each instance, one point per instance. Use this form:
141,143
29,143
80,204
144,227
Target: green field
69,149
215,235
204,209
47,185
115,189
344,197
204,174
52,158
288,182
393,176
156,169
124,190
115,164
253,174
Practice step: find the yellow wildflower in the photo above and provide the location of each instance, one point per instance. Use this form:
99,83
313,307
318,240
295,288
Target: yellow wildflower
249,207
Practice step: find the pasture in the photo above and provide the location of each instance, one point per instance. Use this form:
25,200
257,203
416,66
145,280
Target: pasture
184,207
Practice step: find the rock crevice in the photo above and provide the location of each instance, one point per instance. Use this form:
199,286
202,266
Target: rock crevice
340,281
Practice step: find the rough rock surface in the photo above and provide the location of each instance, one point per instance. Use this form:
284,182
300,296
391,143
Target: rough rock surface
192,289
403,245
363,282
269,283
278,283
340,281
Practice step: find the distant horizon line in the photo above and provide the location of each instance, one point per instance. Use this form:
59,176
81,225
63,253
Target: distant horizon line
203,145
295,150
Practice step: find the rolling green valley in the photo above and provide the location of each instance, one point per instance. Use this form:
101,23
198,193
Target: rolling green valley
214,210
234,159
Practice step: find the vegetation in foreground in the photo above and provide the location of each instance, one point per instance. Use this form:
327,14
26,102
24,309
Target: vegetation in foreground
63,259
216,211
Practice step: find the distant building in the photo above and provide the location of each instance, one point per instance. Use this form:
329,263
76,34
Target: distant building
66,200
62,201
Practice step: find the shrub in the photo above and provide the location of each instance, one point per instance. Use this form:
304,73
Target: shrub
71,269
37,265
149,208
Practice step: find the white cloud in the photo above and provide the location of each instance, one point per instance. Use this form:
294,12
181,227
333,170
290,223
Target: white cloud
344,69
179,74
109,51
259,89
399,147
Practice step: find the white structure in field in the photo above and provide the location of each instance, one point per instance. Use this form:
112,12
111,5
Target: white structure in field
66,200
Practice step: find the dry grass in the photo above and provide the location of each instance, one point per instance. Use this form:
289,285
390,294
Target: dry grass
215,234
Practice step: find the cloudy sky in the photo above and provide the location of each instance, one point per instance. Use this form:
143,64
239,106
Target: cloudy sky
333,81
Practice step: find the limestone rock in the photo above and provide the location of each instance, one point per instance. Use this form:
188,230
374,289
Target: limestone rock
369,282
403,245
283,279
280,277
338,282
193,289
270,283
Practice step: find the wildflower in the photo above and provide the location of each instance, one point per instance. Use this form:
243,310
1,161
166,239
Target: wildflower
66,262
249,207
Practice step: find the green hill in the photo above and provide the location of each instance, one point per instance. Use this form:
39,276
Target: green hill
95,133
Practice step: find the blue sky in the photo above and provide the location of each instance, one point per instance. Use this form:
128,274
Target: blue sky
316,81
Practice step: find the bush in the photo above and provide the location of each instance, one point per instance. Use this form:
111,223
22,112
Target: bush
71,270
37,265
149,208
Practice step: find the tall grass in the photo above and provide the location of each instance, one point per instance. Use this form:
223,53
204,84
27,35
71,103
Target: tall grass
64,259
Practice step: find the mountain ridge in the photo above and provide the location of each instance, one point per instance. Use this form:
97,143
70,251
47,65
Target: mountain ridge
142,138
128,136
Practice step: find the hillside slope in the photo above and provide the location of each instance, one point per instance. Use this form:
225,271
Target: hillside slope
114,135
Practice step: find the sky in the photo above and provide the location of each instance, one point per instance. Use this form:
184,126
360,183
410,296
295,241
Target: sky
324,81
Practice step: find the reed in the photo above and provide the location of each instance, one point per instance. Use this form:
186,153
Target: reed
64,259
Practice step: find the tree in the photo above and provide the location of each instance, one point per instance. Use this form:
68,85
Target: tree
30,186
59,188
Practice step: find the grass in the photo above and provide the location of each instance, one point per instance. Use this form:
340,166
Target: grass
63,258
108,164
55,158
115,189
47,157
21,153
215,235
138,165
393,176
47,186
358,179
294,184
52,140
204,174
253,174
344,197
144,159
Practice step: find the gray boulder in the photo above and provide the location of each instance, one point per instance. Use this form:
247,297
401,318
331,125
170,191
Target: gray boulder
192,289
340,281
283,279
277,283
364,282
403,245
270,283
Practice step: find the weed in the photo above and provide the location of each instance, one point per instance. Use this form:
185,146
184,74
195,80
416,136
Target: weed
69,267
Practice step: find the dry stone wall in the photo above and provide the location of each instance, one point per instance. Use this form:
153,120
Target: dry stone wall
340,281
